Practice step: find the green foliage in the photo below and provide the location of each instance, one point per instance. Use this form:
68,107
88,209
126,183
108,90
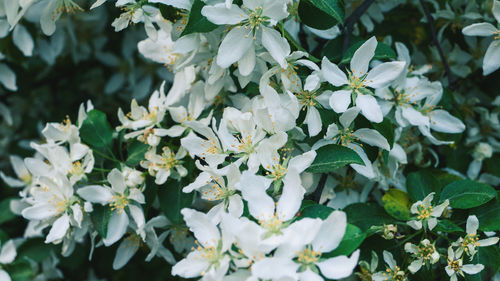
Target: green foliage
488,216
397,204
197,23
135,153
100,217
21,270
332,157
353,237
383,51
5,212
365,215
173,200
315,211
419,184
96,131
386,129
334,8
448,226
465,194
310,14
35,249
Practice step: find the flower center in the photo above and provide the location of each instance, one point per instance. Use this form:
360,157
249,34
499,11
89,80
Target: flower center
470,240
356,82
396,274
76,169
496,37
255,19
424,212
218,190
306,98
245,143
308,256
425,252
168,160
273,226
68,6
278,171
118,202
211,146
455,265
345,137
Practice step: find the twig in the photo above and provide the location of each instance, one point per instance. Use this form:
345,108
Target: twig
316,196
351,20
435,41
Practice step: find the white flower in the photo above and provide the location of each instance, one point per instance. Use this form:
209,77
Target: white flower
424,253
121,200
469,243
426,214
162,166
251,28
359,79
52,200
456,267
22,173
209,257
392,273
161,49
482,151
7,255
491,60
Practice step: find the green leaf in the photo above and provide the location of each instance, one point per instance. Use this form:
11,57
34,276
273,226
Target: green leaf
314,17
397,204
386,129
365,215
173,200
383,51
334,8
36,249
488,216
420,184
465,194
315,211
100,217
353,237
5,212
95,130
197,23
169,12
447,226
135,153
20,270
332,157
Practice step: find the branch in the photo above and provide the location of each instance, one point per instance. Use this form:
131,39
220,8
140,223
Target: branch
316,196
351,20
435,42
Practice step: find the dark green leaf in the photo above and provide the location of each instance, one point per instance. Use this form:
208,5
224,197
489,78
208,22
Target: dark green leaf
420,184
197,23
383,51
447,226
21,270
135,152
332,157
465,194
100,217
397,204
365,215
386,129
315,211
169,12
314,17
5,212
95,130
334,8
35,249
172,200
488,216
353,237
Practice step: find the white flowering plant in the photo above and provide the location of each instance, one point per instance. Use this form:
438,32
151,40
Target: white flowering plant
249,140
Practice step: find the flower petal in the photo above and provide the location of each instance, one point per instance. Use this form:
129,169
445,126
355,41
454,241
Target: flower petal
442,121
369,108
126,250
202,227
340,100
58,230
479,29
95,194
276,45
117,226
372,137
331,232
233,47
491,60
384,73
339,267
362,57
220,14
332,73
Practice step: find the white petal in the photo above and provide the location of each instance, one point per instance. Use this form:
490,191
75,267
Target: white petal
496,10
95,194
491,60
4,276
233,47
276,45
442,121
7,77
126,250
301,162
369,108
291,198
253,189
372,137
331,232
58,230
415,224
384,73
23,40
309,275
479,29
332,73
8,252
247,63
275,268
340,100
339,267
117,226
313,121
488,241
362,57
472,268
414,117
348,116
312,82
472,225
117,180
202,227
415,266
220,14
192,266
39,212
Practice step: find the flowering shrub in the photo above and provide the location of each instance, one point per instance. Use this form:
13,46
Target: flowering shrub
282,140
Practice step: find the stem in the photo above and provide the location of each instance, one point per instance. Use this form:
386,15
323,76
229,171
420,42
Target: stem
319,189
351,20
407,239
105,156
435,41
297,45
